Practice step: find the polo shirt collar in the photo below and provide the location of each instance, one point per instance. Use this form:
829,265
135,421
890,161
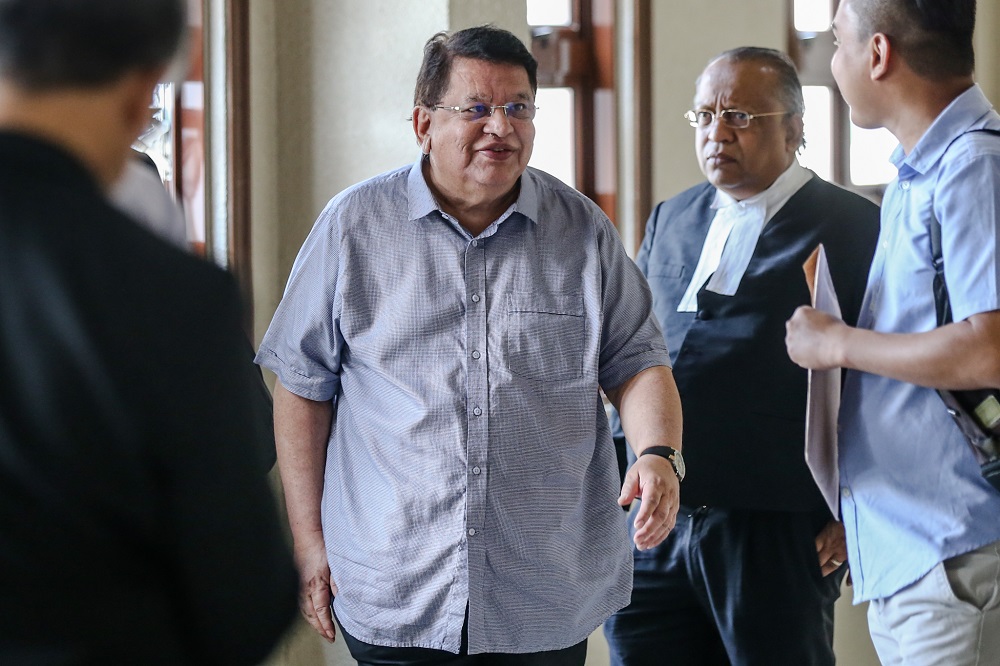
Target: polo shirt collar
966,112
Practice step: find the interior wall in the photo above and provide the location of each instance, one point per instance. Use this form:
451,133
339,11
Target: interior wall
685,36
988,48
509,15
264,229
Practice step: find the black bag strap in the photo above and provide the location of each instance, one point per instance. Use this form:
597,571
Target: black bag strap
941,301
962,405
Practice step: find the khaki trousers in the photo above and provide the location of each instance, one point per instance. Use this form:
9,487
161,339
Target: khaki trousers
950,616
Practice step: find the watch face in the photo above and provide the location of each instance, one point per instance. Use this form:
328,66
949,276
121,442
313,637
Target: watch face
678,460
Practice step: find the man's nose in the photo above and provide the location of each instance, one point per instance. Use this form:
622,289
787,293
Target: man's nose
719,131
498,123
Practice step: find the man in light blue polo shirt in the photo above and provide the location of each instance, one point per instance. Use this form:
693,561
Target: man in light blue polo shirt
922,524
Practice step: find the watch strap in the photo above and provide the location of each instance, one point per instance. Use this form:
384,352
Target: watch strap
667,452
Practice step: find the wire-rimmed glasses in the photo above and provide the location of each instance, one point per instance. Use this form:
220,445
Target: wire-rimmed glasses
734,118
475,112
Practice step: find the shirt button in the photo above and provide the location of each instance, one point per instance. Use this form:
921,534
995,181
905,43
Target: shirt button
476,471
905,185
475,243
472,531
476,354
704,315
846,492
477,411
475,298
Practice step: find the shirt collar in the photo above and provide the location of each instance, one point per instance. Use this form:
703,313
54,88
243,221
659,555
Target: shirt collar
421,200
787,184
527,198
968,111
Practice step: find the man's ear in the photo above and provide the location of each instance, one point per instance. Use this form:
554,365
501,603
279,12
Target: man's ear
422,128
880,55
795,128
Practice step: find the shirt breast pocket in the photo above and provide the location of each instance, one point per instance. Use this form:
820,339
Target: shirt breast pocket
545,336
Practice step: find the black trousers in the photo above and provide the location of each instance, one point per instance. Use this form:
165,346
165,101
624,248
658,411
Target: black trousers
729,587
377,655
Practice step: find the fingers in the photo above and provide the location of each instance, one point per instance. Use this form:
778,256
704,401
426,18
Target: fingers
647,509
653,526
831,559
798,332
831,547
657,512
832,564
630,488
315,605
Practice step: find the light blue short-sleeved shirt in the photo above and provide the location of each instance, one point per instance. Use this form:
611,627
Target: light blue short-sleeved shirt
912,494
470,460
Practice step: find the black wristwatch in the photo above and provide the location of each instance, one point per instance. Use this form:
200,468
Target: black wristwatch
671,454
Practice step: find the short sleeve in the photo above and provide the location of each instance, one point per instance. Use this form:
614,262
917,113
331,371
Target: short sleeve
303,344
631,339
967,204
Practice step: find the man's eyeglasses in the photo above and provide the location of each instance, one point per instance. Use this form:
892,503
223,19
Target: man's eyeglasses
730,117
474,112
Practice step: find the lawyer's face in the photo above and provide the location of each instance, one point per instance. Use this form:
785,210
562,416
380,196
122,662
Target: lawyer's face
744,162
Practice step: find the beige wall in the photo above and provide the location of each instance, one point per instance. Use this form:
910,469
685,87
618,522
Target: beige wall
685,36
988,48
264,228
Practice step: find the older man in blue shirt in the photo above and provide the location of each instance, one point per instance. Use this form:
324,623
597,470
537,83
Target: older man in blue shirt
922,524
440,350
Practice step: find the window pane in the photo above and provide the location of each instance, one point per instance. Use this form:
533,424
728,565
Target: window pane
550,12
813,15
818,119
870,151
555,129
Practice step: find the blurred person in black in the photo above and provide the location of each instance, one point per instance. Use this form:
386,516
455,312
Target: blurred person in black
135,523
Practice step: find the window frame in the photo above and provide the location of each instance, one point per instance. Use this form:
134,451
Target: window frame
580,56
224,33
811,53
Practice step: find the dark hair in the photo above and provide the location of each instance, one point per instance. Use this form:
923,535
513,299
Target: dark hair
485,42
789,90
58,43
933,36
